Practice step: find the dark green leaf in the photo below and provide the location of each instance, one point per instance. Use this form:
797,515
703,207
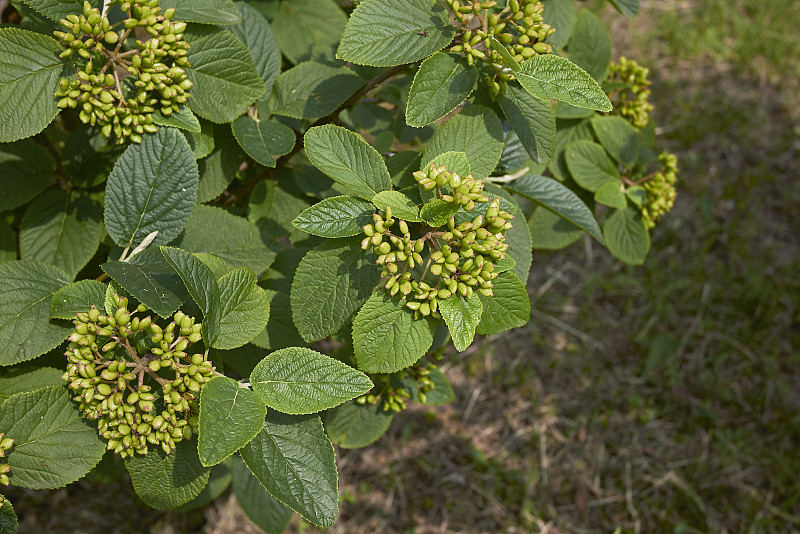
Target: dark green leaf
442,82
28,376
533,121
308,29
293,458
244,309
550,231
166,481
312,90
230,416
77,297
611,195
263,140
352,426
203,11
219,169
254,31
53,446
219,479
590,166
8,243
462,317
626,236
510,307
26,169
619,137
269,514
590,45
153,187
383,33
629,8
560,14
87,157
8,519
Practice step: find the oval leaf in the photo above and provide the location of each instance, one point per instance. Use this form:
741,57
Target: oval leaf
76,298
244,309
403,206
462,317
510,307
626,236
442,82
341,216
26,169
533,121
269,514
264,141
550,77
352,426
297,380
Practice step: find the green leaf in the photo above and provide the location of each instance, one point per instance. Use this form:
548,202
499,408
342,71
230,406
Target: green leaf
53,446
348,159
62,229
230,416
280,331
203,11
437,212
629,8
263,140
29,72
219,169
590,166
202,143
25,294
462,317
508,58
590,45
340,216
619,137
611,195
244,309
150,279
453,161
312,90
559,199
550,77
8,519
294,460
202,286
386,338
637,194
56,9
153,187
308,29
352,426
551,232
442,82
185,120
28,376
331,283
442,390
254,31
477,132
384,33
87,157
518,240
8,243
560,14
403,206
298,380
223,73
568,132
213,230
219,478
568,111
626,236
532,120
269,514
77,297
26,169
510,307
166,481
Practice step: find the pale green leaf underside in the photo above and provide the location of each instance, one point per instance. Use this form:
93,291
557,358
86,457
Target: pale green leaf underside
230,416
442,82
29,72
403,206
386,338
341,216
26,330
626,236
153,187
294,460
533,121
550,231
331,283
77,297
53,446
184,120
166,481
225,78
590,166
244,309
590,46
297,380
611,195
384,33
619,137
551,77
509,307
347,158
265,140
462,317
559,199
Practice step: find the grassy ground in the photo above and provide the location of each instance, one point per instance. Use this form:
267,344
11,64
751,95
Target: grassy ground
654,399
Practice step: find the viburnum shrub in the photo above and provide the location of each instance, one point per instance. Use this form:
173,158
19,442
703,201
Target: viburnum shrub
195,192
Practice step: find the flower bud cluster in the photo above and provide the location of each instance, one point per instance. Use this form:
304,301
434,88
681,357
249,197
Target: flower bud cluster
660,189
519,27
630,91
156,66
109,357
395,398
459,257
5,444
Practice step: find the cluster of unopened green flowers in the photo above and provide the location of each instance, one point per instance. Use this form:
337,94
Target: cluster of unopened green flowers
460,257
395,398
629,91
109,358
660,189
5,444
519,27
117,89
